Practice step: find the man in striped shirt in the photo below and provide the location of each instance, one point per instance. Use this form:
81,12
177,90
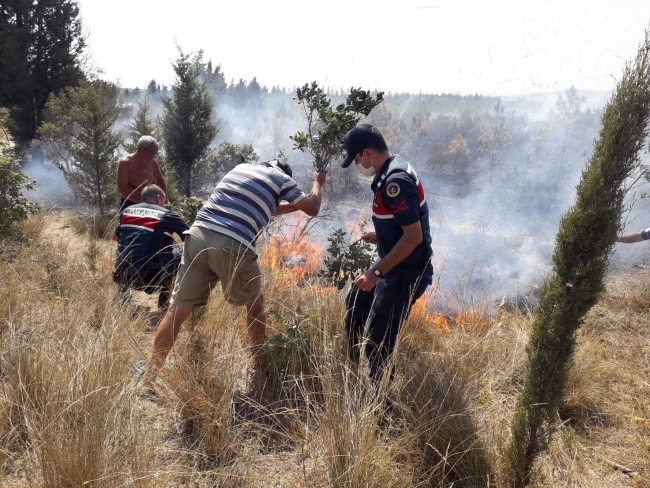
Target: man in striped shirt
220,247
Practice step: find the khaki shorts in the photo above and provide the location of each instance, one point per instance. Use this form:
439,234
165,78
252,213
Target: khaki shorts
210,257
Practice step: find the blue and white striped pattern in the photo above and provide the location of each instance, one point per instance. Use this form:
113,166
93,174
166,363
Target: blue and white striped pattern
242,203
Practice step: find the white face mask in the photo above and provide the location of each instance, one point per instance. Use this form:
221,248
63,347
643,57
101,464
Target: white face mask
365,171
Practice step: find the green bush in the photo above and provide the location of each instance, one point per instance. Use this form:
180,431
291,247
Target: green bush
14,207
345,260
189,209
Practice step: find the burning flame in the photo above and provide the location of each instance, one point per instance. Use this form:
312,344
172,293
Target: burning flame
420,312
289,256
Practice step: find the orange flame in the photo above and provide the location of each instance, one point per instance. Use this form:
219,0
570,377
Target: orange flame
290,256
420,312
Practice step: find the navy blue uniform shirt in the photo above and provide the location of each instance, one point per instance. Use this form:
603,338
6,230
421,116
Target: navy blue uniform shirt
400,201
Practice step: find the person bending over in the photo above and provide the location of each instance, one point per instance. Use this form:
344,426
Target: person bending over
220,247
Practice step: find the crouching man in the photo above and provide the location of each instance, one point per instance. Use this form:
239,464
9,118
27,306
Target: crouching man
220,247
146,260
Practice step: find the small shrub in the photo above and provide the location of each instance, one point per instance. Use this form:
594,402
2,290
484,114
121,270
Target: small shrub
14,207
345,261
189,209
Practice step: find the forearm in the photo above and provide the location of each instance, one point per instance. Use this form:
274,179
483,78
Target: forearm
631,238
404,247
315,195
284,208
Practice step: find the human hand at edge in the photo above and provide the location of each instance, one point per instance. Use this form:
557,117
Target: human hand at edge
320,177
370,237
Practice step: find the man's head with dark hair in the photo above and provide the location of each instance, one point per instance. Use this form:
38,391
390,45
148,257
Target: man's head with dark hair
282,166
363,136
150,193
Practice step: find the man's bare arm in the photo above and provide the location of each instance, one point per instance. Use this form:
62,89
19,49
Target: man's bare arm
284,208
158,177
311,203
631,238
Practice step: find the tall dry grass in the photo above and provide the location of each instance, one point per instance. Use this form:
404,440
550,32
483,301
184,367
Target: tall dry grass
69,415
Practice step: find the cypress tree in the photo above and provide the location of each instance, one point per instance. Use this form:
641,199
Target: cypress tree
584,244
187,125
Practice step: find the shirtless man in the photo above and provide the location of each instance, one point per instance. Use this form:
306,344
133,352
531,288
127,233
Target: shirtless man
137,170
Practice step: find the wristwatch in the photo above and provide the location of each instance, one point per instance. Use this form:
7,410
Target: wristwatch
377,273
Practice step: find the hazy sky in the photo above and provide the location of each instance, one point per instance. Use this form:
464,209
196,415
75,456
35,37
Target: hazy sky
491,47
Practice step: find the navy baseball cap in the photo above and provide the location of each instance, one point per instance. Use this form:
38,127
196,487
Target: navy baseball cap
360,138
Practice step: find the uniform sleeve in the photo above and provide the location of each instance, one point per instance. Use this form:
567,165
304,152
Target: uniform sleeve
290,191
175,224
645,234
400,197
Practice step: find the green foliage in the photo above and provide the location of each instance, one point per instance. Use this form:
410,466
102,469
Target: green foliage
41,44
14,207
584,244
80,140
229,155
190,208
188,129
326,125
345,260
142,125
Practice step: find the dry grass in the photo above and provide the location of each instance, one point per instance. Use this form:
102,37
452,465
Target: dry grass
69,415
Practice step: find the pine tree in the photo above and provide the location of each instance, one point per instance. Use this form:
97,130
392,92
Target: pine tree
187,125
142,125
583,246
41,44
91,144
152,88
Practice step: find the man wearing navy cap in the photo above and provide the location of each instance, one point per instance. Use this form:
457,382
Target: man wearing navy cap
382,296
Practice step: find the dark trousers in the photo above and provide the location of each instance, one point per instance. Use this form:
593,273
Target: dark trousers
125,203
373,319
149,278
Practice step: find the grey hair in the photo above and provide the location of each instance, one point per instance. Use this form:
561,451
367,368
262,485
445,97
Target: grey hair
147,142
150,192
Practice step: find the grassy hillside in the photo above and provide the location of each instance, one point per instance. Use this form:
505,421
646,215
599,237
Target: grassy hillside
69,414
